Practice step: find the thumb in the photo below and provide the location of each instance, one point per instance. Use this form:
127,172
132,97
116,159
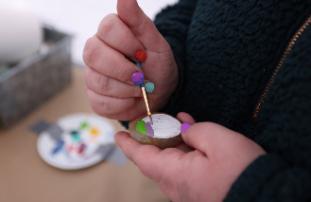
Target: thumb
209,137
142,26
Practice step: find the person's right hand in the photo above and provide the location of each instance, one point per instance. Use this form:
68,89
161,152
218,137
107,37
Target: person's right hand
109,71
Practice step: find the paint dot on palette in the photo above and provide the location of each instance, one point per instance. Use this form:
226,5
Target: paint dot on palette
75,136
58,147
94,132
84,125
82,148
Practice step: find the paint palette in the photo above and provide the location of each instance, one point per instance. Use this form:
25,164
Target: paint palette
77,141
164,132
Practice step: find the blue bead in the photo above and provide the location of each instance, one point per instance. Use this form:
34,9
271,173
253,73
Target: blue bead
150,87
139,65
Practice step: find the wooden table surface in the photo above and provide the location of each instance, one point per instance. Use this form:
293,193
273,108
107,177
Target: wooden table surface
24,177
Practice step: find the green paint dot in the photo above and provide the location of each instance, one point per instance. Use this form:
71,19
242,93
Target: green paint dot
141,127
84,125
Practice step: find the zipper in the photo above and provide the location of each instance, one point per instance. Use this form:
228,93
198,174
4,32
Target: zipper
285,54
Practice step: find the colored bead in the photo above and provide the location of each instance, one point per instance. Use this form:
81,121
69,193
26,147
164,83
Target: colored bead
141,56
141,127
150,87
138,78
150,131
184,127
139,65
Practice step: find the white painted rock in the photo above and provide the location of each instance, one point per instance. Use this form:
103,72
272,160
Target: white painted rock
164,132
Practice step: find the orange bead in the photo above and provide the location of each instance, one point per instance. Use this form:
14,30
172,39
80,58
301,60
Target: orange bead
141,56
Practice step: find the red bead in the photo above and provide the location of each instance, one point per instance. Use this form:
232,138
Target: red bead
141,56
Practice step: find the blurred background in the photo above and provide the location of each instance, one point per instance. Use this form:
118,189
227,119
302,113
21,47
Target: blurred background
80,17
52,146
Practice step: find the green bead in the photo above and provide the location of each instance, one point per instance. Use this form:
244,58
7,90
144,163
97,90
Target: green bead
150,87
141,127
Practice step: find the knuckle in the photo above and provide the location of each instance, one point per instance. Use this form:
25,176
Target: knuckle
88,77
103,84
100,109
125,73
107,24
97,82
90,52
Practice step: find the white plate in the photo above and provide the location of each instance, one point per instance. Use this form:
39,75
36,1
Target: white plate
70,159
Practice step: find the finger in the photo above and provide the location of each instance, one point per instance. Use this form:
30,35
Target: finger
106,86
142,27
146,157
210,138
135,112
105,60
201,136
115,33
185,118
107,106
185,148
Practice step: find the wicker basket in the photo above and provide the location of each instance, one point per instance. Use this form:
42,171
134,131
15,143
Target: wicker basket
27,85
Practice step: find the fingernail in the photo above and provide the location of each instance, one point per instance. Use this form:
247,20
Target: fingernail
184,127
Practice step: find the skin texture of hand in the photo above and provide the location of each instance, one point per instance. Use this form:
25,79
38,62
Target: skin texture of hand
204,173
108,57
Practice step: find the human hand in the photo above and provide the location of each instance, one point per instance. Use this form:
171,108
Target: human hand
205,173
108,75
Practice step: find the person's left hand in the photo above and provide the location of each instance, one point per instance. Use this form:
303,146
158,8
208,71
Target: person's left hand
205,173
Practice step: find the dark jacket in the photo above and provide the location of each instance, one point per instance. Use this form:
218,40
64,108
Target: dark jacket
235,57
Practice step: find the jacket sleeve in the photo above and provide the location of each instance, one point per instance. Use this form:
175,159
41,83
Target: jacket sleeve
284,130
173,23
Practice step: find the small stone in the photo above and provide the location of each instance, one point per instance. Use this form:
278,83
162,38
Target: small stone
141,127
150,87
138,78
141,56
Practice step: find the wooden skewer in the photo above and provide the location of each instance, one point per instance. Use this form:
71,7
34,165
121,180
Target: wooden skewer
143,89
